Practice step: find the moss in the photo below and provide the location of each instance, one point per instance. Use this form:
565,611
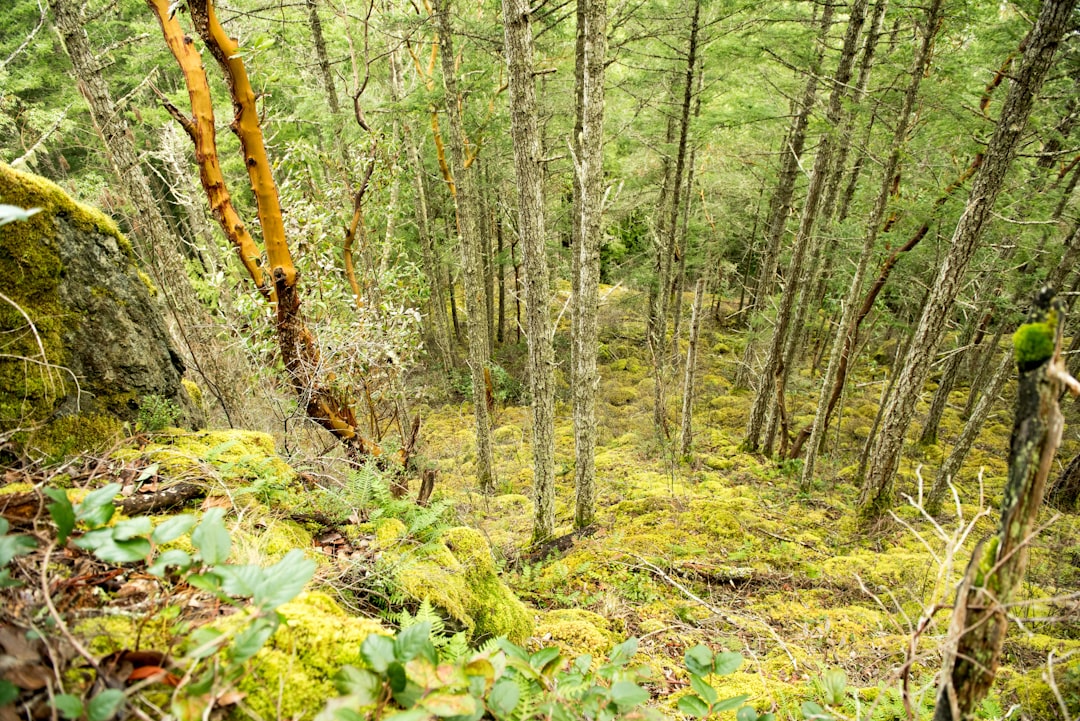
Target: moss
193,391
1034,342
110,633
68,435
576,632
291,676
621,396
150,287
239,457
270,542
459,575
1037,699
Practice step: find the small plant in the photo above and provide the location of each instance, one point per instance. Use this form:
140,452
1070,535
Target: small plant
156,413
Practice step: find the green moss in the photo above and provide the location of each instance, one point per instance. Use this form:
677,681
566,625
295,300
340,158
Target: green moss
621,396
68,435
193,391
576,631
107,634
1034,342
291,676
459,575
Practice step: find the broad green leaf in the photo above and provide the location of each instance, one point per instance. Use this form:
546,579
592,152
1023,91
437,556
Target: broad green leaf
105,705
240,581
446,704
729,703
413,714
359,683
211,538
703,689
378,652
699,660
628,695
504,698
543,657
727,663
410,641
348,714
204,643
746,713
512,650
174,558
172,528
148,472
395,673
209,582
140,526
693,706
97,508
284,580
812,711
13,545
107,548
248,642
8,692
62,512
622,653
70,707
583,663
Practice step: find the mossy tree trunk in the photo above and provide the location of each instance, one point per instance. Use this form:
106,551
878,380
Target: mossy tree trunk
1042,43
980,617
588,213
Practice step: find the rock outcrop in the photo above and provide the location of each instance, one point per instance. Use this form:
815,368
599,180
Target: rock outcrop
82,341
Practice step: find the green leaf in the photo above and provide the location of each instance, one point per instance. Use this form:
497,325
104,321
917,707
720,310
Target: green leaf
699,660
693,706
70,707
628,695
250,640
97,508
395,672
410,641
241,581
283,581
543,657
105,705
413,714
378,652
62,513
703,689
204,643
209,582
8,692
348,714
359,683
172,528
746,713
727,663
504,698
622,653
729,703
811,711
512,650
446,704
211,538
172,558
107,548
12,546
148,472
583,663
133,528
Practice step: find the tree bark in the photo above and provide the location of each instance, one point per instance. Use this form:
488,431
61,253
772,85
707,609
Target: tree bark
588,214
885,458
980,617
315,23
685,435
529,174
468,216
774,366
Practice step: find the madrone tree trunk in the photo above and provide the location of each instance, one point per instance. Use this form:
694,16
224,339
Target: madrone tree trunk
529,174
885,456
466,198
587,145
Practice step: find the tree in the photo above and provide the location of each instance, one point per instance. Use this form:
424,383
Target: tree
885,456
587,144
529,173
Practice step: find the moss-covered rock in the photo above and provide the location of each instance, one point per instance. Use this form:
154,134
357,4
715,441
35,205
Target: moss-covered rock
81,334
576,632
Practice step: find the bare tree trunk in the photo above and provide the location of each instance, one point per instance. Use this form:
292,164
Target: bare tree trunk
885,458
468,216
774,366
588,215
315,23
529,174
945,385
972,651
685,436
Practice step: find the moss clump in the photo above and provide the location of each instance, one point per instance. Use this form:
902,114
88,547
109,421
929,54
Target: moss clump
291,676
621,396
1034,342
67,435
576,631
458,575
193,391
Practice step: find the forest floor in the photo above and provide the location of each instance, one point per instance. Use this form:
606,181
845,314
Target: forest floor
721,548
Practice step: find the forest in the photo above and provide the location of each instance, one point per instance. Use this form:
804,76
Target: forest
373,359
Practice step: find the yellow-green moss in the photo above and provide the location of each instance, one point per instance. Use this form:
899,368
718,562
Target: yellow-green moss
1034,342
290,677
150,287
193,391
107,634
576,632
67,435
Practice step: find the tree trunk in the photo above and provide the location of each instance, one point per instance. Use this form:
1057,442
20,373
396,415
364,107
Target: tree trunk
529,174
885,458
949,374
588,214
774,366
980,616
321,56
685,437
468,217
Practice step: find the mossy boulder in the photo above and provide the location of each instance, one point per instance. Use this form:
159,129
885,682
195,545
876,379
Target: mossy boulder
457,574
81,334
576,632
